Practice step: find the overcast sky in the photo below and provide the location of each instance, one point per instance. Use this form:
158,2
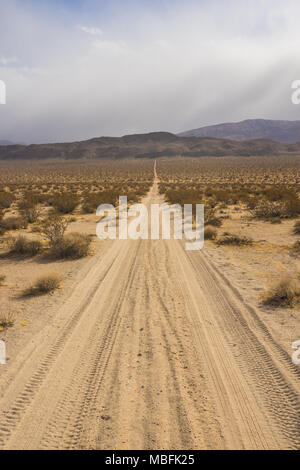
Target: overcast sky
76,69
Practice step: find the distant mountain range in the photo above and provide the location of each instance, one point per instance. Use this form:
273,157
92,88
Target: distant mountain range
152,145
6,142
277,131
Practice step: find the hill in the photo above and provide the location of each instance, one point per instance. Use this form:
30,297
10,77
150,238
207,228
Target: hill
152,145
278,131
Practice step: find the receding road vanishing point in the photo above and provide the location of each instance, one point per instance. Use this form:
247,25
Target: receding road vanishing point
153,349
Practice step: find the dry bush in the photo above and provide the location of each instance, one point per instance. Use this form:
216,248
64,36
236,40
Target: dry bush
210,233
269,210
92,200
44,285
53,229
2,279
7,320
6,200
285,293
31,214
22,246
72,246
237,240
14,223
65,202
296,247
296,228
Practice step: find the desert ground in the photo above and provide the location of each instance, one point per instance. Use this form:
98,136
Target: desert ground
140,344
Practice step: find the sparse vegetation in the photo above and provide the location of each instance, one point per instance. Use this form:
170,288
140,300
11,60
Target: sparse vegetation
2,279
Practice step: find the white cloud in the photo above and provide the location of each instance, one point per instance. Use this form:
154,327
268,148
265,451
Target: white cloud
196,64
91,30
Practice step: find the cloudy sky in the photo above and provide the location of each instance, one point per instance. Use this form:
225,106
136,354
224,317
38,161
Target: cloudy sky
76,69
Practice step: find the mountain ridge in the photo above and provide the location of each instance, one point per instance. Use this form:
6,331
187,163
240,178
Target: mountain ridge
151,145
282,131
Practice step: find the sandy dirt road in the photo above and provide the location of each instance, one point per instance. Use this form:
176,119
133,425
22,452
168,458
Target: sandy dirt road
154,349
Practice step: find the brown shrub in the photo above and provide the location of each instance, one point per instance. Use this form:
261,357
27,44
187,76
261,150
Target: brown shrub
72,246
210,233
22,246
44,285
13,223
65,202
231,239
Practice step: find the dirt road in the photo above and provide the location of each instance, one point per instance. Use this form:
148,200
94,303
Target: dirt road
154,349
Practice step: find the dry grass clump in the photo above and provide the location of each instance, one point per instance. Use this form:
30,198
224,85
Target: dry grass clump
237,240
210,233
71,246
7,320
22,246
44,285
2,279
285,293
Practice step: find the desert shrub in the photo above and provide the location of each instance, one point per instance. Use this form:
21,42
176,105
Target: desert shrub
14,223
237,240
44,285
268,210
71,246
2,279
6,199
210,233
31,214
28,201
7,320
53,228
22,246
296,228
296,247
92,200
286,208
285,293
65,202
275,220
